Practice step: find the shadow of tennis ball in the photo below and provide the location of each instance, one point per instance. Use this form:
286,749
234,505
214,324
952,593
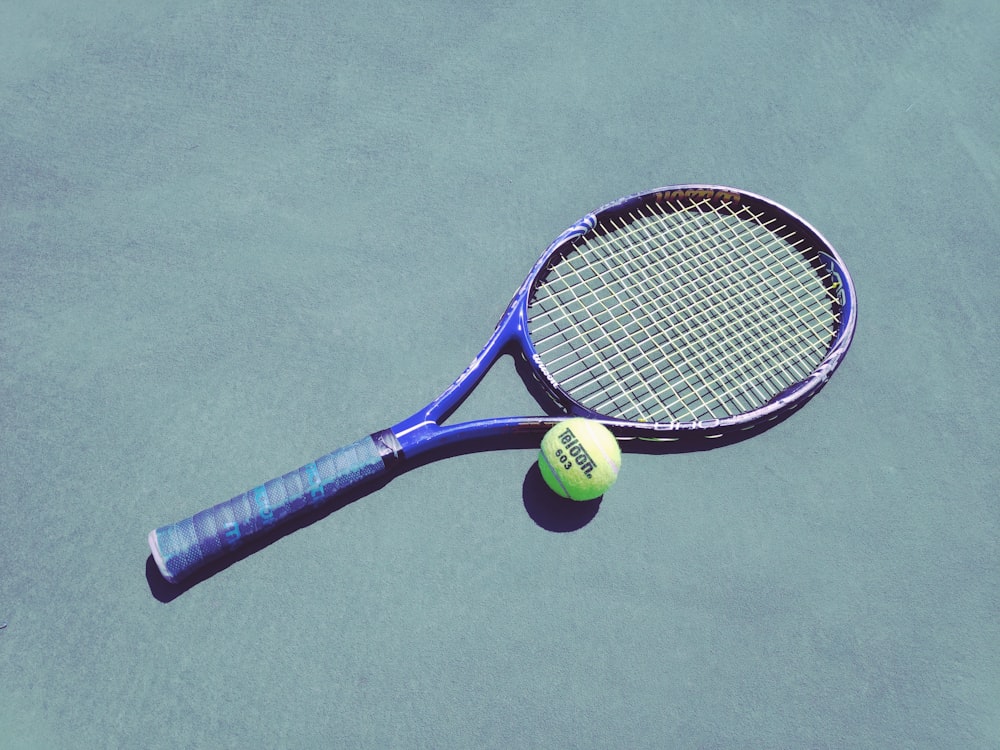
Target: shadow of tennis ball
551,512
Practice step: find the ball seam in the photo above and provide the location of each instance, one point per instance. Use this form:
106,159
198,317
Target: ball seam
596,439
555,475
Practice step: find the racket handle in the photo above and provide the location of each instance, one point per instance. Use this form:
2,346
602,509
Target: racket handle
182,548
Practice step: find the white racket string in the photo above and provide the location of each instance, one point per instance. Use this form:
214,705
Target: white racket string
731,349
731,328
674,314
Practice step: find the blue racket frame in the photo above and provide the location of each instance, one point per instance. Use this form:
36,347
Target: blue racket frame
424,430
186,547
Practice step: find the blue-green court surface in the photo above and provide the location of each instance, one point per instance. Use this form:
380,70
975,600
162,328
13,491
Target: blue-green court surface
235,236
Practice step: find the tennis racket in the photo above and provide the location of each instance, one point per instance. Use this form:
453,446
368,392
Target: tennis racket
684,313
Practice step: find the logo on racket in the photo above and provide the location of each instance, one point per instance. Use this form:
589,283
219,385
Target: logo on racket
699,194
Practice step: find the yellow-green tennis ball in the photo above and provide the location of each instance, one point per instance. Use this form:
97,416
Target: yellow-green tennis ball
579,459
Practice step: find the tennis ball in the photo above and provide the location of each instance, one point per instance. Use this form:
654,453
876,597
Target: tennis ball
579,459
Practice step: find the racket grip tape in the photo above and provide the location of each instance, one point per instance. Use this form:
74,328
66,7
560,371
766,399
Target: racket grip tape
182,548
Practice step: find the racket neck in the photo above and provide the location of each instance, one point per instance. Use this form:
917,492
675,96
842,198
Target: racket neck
424,430
425,440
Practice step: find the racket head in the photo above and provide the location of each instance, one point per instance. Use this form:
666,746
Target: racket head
689,310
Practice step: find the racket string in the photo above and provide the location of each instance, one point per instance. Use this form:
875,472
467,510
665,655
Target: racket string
738,339
714,282
709,350
703,346
650,357
620,366
745,338
689,314
621,385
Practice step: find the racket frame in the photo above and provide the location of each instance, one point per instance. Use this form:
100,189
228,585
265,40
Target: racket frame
426,430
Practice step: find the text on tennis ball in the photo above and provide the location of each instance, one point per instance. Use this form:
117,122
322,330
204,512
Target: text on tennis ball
574,452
